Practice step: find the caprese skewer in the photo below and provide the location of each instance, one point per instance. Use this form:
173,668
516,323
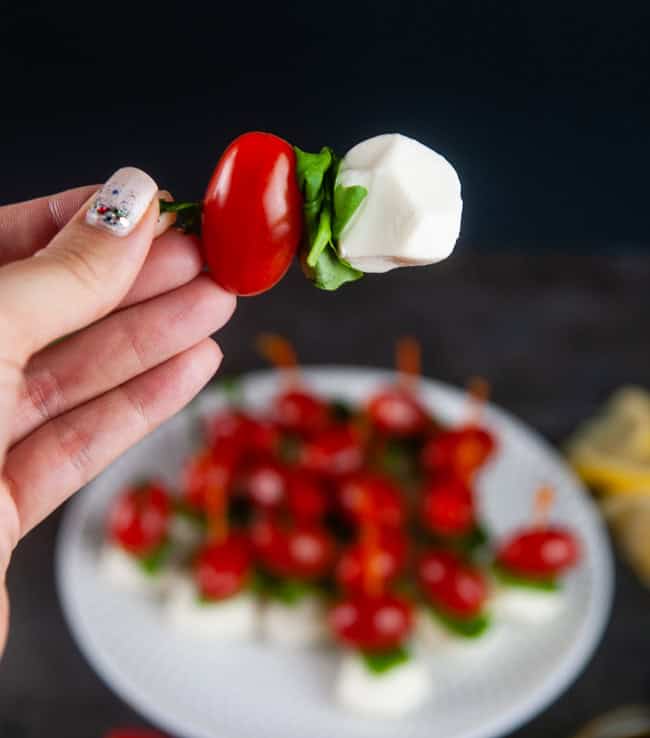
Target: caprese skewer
529,566
389,202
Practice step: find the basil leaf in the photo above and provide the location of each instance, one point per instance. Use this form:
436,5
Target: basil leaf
311,170
330,271
327,208
466,627
379,662
321,239
346,202
287,591
513,579
152,563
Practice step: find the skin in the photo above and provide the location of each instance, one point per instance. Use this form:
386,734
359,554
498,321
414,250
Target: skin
137,314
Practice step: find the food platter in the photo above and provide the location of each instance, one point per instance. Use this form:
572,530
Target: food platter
253,689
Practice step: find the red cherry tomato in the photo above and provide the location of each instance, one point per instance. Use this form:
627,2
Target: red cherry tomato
458,452
454,586
134,733
222,569
139,518
252,214
541,552
334,452
300,412
388,561
307,499
251,434
210,469
371,497
265,482
372,623
396,411
303,551
448,507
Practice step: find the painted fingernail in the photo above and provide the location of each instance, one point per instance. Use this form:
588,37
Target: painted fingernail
122,201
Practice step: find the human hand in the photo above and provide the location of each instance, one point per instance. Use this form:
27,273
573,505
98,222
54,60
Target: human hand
137,318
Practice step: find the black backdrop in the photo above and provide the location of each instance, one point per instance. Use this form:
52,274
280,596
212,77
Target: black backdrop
542,106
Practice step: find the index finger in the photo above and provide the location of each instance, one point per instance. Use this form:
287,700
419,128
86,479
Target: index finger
27,227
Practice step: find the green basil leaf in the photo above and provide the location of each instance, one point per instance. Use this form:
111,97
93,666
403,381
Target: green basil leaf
379,662
330,271
287,591
321,239
153,562
311,170
346,202
466,627
513,579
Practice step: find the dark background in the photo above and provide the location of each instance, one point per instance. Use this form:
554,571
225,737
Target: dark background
541,106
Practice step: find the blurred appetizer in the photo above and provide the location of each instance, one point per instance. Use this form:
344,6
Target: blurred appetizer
293,559
136,553
529,566
389,202
455,617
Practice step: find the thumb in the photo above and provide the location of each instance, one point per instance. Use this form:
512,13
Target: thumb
84,272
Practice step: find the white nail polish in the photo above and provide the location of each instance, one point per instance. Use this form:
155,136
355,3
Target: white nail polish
122,201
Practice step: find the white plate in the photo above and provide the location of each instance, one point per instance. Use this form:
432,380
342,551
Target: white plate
255,690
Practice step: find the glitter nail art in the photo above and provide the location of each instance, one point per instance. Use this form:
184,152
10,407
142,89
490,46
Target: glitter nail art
122,201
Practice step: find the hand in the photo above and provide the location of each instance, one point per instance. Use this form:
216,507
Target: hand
137,316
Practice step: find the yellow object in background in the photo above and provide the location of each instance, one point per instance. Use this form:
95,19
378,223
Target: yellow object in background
612,454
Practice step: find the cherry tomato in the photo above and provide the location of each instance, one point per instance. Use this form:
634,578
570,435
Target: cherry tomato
334,452
221,569
300,412
458,452
396,411
303,551
134,733
251,434
388,561
540,552
210,469
252,214
372,623
139,518
454,586
371,497
306,498
265,483
448,507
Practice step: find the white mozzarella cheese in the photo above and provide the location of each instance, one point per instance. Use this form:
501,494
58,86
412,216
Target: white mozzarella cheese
412,212
235,617
391,694
526,606
123,572
302,624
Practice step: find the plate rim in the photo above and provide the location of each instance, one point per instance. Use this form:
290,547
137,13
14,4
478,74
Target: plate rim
554,683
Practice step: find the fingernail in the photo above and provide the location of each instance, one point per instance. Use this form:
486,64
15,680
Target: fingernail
122,201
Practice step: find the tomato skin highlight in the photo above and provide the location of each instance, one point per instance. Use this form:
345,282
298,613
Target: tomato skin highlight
252,214
543,552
